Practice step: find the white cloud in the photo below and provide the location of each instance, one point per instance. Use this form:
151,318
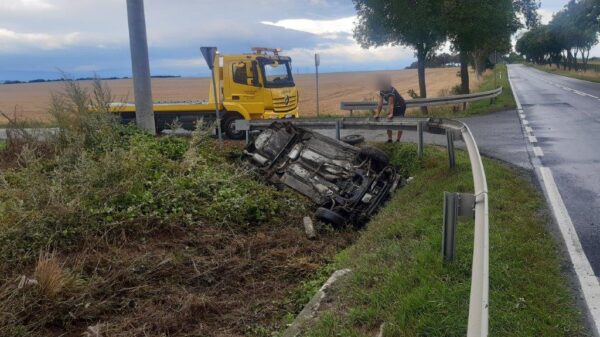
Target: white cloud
344,54
11,41
326,28
545,15
25,5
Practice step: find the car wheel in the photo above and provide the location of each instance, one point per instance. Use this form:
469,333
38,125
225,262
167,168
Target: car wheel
329,216
229,127
353,139
379,159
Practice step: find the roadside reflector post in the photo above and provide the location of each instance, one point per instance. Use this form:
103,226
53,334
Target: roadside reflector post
455,205
140,66
420,126
451,153
210,54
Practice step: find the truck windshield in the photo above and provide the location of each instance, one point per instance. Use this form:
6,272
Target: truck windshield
277,73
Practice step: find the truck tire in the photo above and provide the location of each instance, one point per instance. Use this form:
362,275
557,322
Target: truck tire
228,126
379,159
353,139
330,217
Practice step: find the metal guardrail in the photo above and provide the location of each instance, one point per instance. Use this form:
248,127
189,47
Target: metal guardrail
477,325
419,102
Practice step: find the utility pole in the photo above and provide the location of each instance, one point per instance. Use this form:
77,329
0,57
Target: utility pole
140,66
317,63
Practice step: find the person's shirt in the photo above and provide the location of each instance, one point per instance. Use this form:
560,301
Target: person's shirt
392,92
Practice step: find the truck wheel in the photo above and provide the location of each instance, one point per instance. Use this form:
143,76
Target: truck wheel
228,127
353,139
379,159
330,217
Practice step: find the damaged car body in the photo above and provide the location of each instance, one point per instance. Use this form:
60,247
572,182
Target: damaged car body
348,183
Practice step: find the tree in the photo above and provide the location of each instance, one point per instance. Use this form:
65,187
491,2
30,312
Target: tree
477,28
414,23
573,31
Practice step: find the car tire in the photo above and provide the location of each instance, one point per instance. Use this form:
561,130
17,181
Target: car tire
353,139
228,127
330,217
379,159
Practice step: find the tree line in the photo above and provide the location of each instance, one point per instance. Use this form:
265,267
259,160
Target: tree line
569,37
475,28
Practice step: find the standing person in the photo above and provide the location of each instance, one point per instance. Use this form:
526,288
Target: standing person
396,106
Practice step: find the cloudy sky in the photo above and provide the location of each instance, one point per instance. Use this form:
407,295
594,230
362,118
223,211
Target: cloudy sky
83,37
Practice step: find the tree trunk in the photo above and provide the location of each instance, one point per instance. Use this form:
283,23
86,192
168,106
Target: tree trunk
421,56
570,59
464,73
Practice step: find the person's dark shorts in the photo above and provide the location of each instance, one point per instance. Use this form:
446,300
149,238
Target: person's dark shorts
399,111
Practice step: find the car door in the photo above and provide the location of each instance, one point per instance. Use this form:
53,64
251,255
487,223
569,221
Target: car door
244,87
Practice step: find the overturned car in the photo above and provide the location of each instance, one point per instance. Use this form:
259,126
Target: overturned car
347,183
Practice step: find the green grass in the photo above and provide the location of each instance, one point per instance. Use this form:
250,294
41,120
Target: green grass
504,101
399,277
590,75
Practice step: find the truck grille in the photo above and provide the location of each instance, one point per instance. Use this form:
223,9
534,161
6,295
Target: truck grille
280,106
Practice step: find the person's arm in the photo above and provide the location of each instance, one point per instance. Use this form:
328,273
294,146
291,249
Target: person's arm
377,110
390,107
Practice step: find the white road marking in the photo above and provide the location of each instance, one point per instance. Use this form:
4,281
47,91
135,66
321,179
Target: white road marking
587,280
525,122
538,151
532,139
529,129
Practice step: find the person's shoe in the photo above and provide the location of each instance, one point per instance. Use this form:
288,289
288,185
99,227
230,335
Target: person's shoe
397,140
389,141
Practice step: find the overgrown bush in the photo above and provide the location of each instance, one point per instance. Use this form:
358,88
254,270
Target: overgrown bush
95,188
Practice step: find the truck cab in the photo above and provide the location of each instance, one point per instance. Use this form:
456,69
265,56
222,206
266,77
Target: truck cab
257,85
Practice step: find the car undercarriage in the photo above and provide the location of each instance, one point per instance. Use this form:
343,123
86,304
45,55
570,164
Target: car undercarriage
347,183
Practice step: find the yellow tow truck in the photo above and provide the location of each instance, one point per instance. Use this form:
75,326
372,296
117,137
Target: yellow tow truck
258,85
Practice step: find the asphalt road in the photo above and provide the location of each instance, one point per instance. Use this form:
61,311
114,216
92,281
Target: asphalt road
562,118
498,135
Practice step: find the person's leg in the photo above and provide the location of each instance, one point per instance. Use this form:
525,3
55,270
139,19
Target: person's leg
399,135
389,133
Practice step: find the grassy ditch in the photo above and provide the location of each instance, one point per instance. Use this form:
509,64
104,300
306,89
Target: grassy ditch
589,75
399,279
106,228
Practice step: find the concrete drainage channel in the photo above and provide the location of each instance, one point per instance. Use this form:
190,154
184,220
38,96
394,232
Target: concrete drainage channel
455,205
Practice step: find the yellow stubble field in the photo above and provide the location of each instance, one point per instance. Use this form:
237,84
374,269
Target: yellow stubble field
30,101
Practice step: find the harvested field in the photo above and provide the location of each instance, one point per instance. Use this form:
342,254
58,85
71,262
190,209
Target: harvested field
30,101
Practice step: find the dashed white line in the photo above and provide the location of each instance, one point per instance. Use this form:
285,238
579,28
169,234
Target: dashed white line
532,139
538,151
587,280
525,122
529,129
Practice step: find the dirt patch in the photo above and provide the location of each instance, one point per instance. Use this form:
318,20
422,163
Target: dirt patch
182,281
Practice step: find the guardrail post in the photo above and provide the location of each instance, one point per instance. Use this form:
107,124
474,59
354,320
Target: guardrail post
338,126
449,230
451,154
455,205
420,126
